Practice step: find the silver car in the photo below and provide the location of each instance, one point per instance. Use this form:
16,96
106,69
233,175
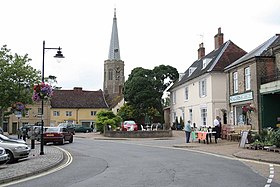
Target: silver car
8,139
15,151
3,156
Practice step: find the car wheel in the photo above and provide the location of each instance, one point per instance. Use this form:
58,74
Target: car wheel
11,158
87,131
62,141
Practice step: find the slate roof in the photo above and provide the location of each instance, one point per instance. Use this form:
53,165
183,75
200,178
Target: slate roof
220,58
78,98
262,50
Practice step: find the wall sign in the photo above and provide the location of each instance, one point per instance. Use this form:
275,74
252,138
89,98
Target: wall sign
241,97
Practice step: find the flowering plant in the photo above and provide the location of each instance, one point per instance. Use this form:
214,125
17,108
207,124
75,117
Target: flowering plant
18,106
248,108
42,91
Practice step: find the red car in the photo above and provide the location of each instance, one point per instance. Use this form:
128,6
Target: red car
129,126
58,135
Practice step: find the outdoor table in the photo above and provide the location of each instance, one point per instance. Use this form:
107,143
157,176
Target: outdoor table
203,135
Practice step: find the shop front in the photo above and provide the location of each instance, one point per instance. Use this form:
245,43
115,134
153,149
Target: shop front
243,110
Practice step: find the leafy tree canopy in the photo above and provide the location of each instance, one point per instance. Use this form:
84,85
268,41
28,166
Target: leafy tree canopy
126,112
144,88
16,79
105,118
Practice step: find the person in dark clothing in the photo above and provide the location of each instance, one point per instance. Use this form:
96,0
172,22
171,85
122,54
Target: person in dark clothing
217,127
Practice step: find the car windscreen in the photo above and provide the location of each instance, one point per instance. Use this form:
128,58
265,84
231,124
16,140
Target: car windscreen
53,129
129,122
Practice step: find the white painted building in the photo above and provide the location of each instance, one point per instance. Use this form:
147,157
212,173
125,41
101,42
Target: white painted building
199,94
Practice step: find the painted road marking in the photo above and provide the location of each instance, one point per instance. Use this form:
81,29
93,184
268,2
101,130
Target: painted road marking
67,163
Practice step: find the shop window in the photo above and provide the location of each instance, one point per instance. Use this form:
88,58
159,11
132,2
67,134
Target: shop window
240,118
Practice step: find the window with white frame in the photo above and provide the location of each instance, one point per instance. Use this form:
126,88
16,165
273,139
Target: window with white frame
203,116
205,62
92,113
247,78
186,93
190,114
202,88
235,82
68,113
56,113
191,70
174,97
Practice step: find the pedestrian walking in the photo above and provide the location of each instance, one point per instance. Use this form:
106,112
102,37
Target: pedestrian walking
188,130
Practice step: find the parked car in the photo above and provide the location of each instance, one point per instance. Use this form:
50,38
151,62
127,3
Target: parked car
1,131
8,139
35,131
69,126
15,150
129,126
58,135
81,128
3,156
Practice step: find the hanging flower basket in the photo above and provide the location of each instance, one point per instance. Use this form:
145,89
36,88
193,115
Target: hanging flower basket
248,108
42,91
18,106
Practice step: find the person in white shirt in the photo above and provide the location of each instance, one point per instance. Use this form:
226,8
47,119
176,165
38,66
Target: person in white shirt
217,126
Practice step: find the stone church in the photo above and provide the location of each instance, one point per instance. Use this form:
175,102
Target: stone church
114,71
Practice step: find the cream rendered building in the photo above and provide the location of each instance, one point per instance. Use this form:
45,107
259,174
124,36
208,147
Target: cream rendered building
199,95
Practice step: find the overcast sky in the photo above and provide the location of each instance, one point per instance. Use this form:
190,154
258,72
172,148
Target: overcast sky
151,32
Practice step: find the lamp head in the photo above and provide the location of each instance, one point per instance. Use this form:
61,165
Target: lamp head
59,55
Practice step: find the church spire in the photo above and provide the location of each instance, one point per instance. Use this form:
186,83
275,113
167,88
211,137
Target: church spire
114,51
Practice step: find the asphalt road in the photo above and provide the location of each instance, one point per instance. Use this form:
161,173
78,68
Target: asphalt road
103,163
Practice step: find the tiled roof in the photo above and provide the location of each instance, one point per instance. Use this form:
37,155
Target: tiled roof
220,58
78,98
261,50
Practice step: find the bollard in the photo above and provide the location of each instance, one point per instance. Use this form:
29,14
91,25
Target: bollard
32,144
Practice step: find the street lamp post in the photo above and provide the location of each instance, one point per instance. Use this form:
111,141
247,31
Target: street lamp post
58,55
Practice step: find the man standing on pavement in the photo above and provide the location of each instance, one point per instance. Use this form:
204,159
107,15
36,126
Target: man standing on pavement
217,125
188,131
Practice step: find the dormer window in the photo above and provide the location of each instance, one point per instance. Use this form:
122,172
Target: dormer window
181,75
191,70
205,62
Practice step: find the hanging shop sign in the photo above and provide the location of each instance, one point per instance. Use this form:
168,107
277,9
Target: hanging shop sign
241,97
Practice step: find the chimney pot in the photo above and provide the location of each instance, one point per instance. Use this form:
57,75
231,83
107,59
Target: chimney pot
219,38
201,51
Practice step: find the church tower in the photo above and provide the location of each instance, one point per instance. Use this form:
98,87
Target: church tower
114,67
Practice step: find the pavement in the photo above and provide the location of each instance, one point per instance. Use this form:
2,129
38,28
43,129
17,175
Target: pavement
53,156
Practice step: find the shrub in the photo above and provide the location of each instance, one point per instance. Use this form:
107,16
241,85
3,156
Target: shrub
275,138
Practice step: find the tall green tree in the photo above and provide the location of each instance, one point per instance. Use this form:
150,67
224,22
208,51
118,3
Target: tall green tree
17,78
144,88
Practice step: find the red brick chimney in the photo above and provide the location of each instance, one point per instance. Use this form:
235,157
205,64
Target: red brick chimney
201,51
219,39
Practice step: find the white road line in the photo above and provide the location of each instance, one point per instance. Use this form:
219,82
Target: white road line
67,163
271,171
